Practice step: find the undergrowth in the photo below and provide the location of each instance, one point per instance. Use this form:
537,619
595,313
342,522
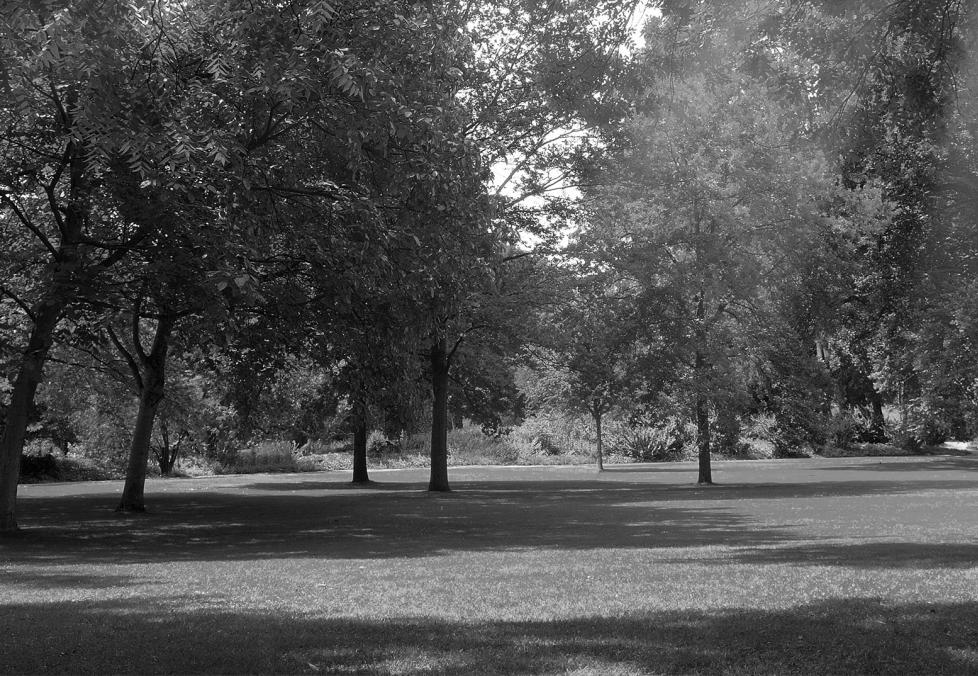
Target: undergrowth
538,440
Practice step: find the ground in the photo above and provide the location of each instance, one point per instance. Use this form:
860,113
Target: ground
796,566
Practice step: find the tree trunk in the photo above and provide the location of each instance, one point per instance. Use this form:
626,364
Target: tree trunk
168,452
878,422
701,405
46,316
703,439
599,446
152,388
439,416
65,269
360,444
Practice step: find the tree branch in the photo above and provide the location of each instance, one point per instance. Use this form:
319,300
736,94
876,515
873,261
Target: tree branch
133,367
20,302
5,198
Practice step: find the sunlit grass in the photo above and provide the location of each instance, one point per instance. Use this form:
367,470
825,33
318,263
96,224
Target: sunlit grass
823,566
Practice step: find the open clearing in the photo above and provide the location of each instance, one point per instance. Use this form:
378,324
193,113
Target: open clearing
804,566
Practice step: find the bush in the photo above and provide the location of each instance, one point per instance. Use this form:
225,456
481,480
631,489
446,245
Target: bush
726,433
842,430
469,445
661,443
378,445
541,438
267,456
759,436
38,468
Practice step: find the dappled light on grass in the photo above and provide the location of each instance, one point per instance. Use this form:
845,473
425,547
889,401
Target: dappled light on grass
797,567
830,636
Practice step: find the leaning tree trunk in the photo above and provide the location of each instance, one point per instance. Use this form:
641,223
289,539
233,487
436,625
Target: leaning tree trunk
360,444
152,381
46,316
440,364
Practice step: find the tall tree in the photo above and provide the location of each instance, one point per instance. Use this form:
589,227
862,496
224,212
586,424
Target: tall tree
73,75
714,191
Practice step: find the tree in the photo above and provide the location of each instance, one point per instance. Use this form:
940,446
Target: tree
536,78
69,122
703,210
591,350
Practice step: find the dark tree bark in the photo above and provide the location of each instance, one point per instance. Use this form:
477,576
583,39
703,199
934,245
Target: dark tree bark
877,421
440,364
360,444
46,316
596,414
168,452
150,371
66,271
703,439
701,405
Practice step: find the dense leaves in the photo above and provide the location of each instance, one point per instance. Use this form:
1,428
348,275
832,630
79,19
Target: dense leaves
754,220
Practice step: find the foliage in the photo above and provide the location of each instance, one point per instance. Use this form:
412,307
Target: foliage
277,456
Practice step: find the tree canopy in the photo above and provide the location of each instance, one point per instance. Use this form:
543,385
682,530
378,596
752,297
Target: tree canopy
692,225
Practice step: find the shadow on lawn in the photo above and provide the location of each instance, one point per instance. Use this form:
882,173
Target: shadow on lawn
934,463
396,521
915,555
277,519
830,637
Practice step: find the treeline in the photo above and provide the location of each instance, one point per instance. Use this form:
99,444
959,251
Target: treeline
294,219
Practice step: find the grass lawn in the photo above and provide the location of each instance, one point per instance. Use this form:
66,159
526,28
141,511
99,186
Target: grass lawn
825,566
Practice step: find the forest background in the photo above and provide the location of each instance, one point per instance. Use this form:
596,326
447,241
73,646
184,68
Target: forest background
306,234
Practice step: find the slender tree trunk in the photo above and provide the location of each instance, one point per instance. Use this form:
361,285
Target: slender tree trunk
360,444
152,368
46,316
703,439
701,405
439,416
878,422
167,456
132,493
596,413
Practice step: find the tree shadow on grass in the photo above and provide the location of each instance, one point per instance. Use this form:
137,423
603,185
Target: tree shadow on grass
397,521
47,580
924,465
844,636
916,555
280,519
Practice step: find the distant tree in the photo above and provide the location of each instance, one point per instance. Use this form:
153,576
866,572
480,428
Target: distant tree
590,351
703,210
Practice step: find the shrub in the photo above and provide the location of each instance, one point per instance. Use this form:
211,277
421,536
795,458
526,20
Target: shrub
759,436
469,445
267,456
542,437
379,445
726,433
38,468
842,430
665,442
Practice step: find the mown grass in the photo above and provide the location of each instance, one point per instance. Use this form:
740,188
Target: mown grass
817,566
